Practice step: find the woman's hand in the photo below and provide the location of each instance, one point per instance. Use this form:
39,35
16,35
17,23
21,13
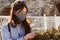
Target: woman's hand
29,36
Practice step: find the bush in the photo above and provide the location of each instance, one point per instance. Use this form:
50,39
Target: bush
50,34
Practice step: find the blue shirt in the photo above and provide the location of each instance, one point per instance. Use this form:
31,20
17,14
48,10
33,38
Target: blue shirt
14,32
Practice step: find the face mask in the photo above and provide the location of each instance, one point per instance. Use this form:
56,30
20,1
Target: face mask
21,16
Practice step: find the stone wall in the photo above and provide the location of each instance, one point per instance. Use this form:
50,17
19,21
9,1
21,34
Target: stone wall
38,7
3,2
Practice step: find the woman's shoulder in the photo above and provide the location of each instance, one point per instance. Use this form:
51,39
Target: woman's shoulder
4,26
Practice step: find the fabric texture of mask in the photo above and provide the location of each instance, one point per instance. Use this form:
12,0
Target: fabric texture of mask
21,16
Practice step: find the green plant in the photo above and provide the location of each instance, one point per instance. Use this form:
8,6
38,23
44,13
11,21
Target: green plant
50,34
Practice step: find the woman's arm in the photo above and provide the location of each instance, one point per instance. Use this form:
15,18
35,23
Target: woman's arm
27,37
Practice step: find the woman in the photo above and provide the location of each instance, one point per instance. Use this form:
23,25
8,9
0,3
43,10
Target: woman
19,27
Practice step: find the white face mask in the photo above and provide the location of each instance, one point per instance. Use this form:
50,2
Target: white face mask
21,16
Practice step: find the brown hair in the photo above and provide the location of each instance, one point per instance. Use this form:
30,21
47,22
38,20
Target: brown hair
14,8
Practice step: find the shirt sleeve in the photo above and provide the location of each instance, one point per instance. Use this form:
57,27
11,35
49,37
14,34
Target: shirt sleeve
5,33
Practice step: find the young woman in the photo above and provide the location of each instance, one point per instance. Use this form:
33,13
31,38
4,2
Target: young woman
18,25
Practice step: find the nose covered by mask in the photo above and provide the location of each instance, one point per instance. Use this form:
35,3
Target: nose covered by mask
21,16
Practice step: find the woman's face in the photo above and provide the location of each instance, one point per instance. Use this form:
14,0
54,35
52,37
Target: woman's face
22,14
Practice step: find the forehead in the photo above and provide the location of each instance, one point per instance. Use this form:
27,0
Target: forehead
24,10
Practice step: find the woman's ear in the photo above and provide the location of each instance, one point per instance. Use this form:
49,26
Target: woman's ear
28,21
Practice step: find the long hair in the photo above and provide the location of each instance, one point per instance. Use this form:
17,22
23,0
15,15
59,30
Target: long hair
14,8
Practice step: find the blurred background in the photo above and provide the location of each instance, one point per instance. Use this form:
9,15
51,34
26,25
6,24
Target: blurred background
36,7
